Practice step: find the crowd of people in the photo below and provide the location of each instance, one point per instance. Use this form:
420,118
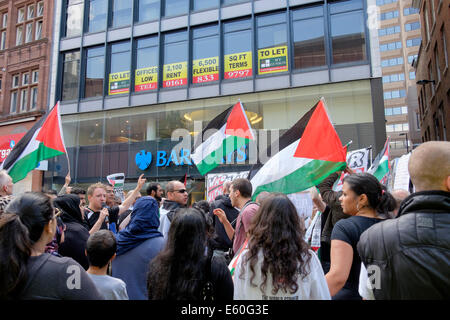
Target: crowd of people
374,244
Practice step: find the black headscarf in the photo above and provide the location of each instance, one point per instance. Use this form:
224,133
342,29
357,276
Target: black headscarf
69,204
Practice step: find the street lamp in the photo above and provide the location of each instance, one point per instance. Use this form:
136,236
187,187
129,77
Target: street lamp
405,134
424,82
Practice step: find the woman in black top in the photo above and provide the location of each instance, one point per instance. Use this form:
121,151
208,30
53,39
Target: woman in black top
368,202
182,270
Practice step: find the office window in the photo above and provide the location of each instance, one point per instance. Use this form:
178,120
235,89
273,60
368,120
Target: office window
389,15
394,94
25,79
205,54
30,11
19,35
15,81
175,7
97,15
34,97
237,46
272,43
74,18
147,62
393,77
23,100
228,2
95,72
427,23
40,9
38,30
389,31
205,4
431,77
3,41
175,59
411,58
392,62
410,10
348,31
148,10
13,105
21,15
438,69
71,75
412,26
383,2
29,32
5,20
119,76
412,75
309,37
390,46
413,42
121,13
35,76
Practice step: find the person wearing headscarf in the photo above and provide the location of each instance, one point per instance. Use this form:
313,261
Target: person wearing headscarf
137,244
77,231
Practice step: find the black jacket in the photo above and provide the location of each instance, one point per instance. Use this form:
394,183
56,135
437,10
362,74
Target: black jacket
411,254
170,207
221,238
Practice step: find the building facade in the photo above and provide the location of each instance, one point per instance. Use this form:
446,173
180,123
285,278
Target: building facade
25,60
129,73
433,78
399,32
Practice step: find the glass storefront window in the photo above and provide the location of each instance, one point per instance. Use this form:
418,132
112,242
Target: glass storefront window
74,21
119,76
95,72
175,7
147,62
148,10
71,75
309,37
205,4
121,13
97,15
272,43
205,54
91,130
348,31
175,59
237,43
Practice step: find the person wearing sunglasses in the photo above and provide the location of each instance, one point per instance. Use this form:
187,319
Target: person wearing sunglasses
177,197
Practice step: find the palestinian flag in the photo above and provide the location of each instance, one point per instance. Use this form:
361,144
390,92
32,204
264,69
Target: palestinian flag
229,131
43,141
308,153
380,167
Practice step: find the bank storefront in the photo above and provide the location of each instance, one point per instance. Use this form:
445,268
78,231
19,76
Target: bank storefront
155,140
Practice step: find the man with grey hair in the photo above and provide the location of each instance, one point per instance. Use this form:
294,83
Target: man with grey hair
408,257
177,197
6,190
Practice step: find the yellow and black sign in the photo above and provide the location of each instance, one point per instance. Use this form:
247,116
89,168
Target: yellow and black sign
175,74
119,82
273,60
205,70
238,65
146,79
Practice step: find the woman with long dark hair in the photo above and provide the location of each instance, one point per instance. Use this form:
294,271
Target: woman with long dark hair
368,202
185,270
77,231
26,271
277,262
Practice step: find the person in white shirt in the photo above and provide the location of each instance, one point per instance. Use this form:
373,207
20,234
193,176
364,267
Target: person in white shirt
277,263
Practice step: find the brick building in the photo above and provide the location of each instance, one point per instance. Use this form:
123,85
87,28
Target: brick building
432,74
25,51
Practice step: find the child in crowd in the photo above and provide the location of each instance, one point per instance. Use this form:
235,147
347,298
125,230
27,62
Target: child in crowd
101,250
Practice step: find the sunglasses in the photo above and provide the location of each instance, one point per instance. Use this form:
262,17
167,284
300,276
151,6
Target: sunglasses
180,191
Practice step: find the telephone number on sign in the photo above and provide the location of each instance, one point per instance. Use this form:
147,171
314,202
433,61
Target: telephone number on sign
238,74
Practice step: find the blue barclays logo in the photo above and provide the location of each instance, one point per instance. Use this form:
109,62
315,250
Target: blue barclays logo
143,159
164,159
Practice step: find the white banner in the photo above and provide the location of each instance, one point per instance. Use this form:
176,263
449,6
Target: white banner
358,161
215,181
117,180
401,174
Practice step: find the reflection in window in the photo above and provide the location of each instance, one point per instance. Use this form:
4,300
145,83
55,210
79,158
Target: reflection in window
148,10
205,54
347,31
119,77
71,74
146,75
13,107
97,15
175,7
38,30
237,43
94,72
175,59
121,13
19,35
74,20
309,38
205,4
34,96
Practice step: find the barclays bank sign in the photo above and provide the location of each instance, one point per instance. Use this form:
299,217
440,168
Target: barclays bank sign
162,158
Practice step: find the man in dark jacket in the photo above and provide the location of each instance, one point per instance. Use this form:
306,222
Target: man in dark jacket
331,215
223,202
409,257
177,197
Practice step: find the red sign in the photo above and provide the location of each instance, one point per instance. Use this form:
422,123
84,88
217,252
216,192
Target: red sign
7,143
